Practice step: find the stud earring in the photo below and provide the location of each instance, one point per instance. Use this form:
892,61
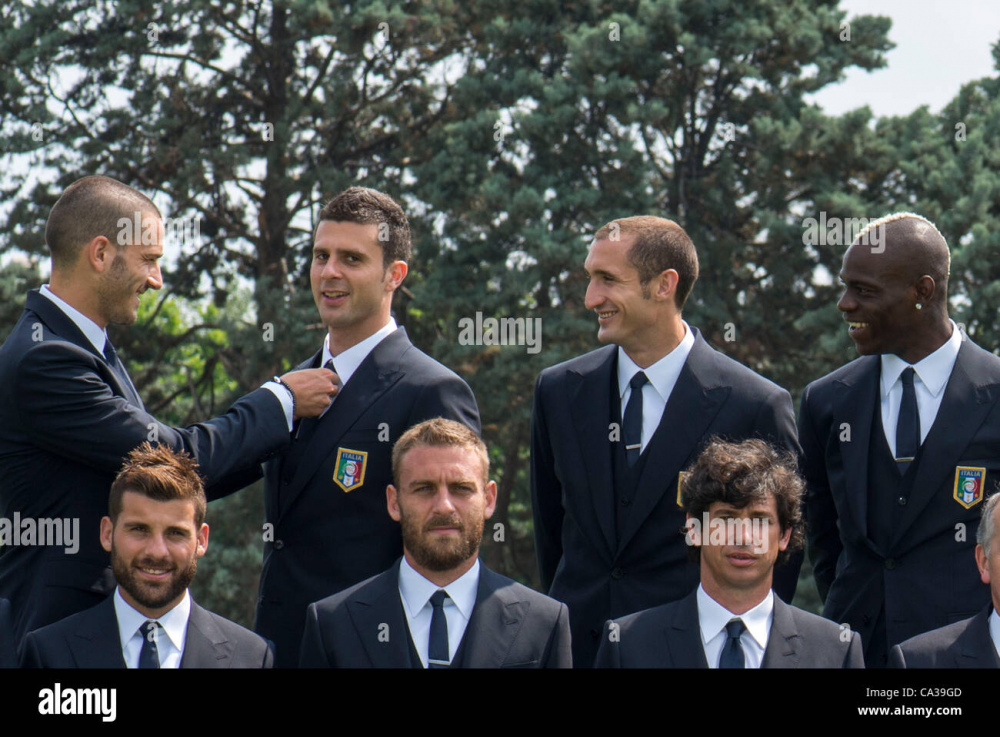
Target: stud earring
919,306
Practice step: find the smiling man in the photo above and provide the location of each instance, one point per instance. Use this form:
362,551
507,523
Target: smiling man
901,446
69,413
324,498
155,533
733,619
438,606
612,430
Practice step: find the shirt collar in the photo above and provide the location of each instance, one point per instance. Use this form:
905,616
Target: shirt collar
416,591
933,370
663,374
347,362
174,622
713,617
93,332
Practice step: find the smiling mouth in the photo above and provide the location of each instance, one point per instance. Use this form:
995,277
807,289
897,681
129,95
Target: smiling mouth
603,315
852,326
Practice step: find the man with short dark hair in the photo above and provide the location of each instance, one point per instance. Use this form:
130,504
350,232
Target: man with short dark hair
743,508
438,606
900,447
973,642
155,533
327,523
613,429
69,413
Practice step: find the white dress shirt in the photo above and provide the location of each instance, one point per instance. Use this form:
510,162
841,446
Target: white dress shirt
713,618
662,377
994,622
932,374
170,638
346,362
415,591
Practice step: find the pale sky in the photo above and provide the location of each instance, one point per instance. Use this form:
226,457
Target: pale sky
940,45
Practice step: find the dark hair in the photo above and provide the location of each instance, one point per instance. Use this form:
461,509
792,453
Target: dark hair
91,207
659,244
367,207
159,473
439,433
743,473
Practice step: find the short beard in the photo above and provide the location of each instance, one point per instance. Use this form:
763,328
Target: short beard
140,592
437,557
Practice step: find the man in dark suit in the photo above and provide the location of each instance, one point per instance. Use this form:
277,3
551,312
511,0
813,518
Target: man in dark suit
973,642
606,458
743,505
327,527
69,413
901,446
8,649
438,606
155,533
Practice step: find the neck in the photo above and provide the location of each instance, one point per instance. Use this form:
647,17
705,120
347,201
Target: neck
934,336
77,295
667,337
737,601
441,578
344,338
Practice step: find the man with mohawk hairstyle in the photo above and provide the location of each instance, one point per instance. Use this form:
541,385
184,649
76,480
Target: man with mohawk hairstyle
901,446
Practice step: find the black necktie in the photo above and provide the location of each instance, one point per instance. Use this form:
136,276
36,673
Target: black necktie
149,656
632,422
111,356
437,646
732,651
307,425
908,424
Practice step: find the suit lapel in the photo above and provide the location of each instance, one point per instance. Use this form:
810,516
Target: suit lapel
975,648
683,635
968,398
97,644
857,397
495,622
783,640
377,604
376,374
694,402
205,646
59,323
590,402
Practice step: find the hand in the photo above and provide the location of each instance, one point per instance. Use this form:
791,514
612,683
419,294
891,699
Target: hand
313,389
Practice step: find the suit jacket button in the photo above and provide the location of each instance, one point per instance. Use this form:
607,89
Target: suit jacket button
890,563
901,501
279,544
617,573
625,501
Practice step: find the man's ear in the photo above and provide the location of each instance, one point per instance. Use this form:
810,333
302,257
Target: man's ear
107,532
202,540
392,502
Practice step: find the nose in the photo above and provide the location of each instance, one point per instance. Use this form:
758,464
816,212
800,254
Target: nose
156,546
331,269
593,298
155,278
847,302
442,500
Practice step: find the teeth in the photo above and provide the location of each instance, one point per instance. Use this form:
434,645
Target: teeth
858,324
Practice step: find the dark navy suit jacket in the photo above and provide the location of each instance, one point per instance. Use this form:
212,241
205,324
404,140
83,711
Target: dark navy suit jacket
67,421
581,560
927,577
669,636
90,639
365,627
325,539
965,644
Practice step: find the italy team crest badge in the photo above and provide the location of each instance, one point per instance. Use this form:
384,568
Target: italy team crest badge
349,469
969,485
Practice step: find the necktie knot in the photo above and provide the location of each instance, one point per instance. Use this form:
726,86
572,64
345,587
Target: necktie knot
732,652
329,366
437,647
149,656
638,381
908,373
438,597
735,628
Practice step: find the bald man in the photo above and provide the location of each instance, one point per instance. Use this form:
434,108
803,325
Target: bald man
901,446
